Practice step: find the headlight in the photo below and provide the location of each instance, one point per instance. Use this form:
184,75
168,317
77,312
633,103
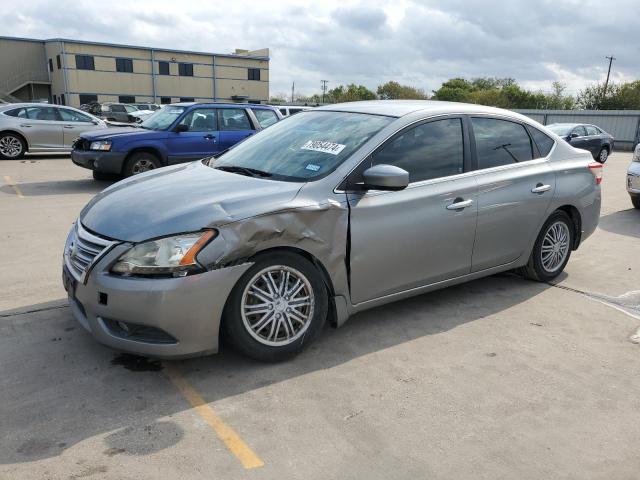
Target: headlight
175,256
636,154
104,145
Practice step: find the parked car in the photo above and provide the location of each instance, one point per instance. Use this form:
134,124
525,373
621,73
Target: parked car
633,178
587,137
288,110
146,106
118,112
177,133
331,212
41,128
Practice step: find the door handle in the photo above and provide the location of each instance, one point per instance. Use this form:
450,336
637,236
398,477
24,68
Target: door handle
210,137
459,204
68,126
540,188
26,125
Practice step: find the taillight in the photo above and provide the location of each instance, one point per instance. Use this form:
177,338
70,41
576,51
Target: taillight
596,169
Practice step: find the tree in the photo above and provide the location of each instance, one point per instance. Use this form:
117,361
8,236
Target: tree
350,93
394,91
454,90
618,96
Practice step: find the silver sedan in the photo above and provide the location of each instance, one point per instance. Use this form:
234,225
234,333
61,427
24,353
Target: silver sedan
334,211
41,128
633,178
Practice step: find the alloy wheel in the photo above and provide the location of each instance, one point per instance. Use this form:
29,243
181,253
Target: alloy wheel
277,305
10,146
555,246
142,165
604,154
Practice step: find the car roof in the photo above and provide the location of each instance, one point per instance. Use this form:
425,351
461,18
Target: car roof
219,104
400,108
5,106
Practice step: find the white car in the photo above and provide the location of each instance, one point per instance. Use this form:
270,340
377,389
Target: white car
288,110
42,128
633,178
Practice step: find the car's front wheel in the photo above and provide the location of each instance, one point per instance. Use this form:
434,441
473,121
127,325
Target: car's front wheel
141,162
11,146
635,200
276,308
603,155
552,249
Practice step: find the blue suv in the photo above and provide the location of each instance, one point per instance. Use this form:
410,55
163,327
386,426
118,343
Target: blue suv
180,132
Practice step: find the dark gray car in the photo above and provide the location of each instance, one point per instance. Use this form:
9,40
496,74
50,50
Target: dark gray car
585,136
331,212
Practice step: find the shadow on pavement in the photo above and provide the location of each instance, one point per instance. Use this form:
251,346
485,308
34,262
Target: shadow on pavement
58,387
623,222
58,187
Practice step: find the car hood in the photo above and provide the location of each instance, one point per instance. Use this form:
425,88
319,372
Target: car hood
181,198
105,133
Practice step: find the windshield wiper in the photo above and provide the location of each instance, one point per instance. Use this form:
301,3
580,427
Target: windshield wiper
249,172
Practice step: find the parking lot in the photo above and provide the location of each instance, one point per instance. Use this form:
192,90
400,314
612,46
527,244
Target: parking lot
498,378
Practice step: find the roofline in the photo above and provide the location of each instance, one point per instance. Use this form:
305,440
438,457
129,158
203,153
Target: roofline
138,47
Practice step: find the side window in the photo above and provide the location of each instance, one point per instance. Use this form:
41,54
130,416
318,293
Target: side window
431,150
233,119
42,113
543,142
283,111
500,142
118,108
580,130
265,117
591,130
200,120
73,116
17,112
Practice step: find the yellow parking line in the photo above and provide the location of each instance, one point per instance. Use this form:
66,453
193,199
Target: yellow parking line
11,183
230,438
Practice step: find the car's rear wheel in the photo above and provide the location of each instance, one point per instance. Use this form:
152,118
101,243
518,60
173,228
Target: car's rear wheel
12,146
141,162
276,308
603,155
635,200
552,249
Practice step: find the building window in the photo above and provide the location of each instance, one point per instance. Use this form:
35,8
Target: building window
124,65
165,100
87,98
127,99
85,62
50,65
55,99
185,69
62,100
187,99
58,62
253,74
163,68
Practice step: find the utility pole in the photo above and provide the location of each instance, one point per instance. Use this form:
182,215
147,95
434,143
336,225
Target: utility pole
293,89
324,88
606,83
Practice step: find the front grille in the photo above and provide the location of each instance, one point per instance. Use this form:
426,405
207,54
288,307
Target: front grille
83,250
81,144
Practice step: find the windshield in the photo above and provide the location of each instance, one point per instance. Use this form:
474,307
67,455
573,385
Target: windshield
304,147
561,129
163,118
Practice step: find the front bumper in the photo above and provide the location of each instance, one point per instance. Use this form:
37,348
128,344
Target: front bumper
108,162
188,310
633,178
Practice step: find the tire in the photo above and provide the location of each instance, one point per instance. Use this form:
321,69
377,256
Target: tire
603,155
545,270
283,334
635,200
12,146
141,162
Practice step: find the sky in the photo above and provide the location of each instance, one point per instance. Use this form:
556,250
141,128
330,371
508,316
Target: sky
419,43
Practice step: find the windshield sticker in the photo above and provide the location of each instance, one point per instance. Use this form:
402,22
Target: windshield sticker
312,167
323,146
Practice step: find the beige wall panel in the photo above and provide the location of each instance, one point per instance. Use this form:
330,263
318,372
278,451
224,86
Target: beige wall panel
141,66
242,62
105,50
165,56
183,87
105,82
103,63
255,90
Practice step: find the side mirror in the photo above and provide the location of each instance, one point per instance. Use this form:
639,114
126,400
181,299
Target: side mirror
574,135
181,128
385,177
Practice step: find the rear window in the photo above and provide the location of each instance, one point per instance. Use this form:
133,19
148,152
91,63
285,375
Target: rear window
265,117
542,140
591,130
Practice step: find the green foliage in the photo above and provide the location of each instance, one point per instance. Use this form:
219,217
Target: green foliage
350,93
618,96
394,91
501,92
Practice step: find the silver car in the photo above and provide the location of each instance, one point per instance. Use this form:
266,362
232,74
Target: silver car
41,128
339,209
633,178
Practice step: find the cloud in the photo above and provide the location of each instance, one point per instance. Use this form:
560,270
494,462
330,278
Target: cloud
420,43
